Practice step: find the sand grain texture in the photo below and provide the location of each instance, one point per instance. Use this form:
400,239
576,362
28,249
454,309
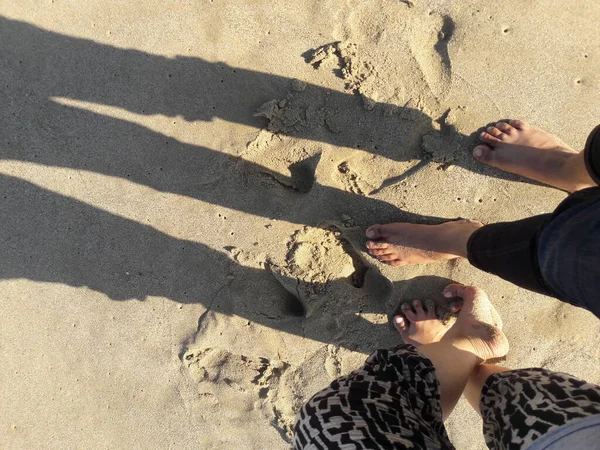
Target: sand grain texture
185,187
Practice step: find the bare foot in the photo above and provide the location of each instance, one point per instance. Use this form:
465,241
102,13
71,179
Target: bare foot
419,324
399,244
478,327
519,148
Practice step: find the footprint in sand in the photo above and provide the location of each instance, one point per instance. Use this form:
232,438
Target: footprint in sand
351,181
344,59
314,259
252,389
271,300
325,272
289,162
444,146
239,385
435,65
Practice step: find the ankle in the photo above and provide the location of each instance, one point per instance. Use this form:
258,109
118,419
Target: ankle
574,169
459,235
465,344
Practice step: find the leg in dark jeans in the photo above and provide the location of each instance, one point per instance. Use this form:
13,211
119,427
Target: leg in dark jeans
508,249
554,254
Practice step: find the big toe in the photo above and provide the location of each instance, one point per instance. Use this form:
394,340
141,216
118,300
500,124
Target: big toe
475,302
404,328
485,154
481,152
376,231
400,323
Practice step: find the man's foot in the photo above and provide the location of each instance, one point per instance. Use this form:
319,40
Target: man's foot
399,244
419,324
478,327
519,148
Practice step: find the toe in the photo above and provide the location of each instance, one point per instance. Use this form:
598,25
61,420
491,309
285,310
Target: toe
376,232
380,252
455,290
387,257
469,295
408,312
486,155
371,245
400,323
418,307
494,132
519,124
429,309
455,306
488,138
505,128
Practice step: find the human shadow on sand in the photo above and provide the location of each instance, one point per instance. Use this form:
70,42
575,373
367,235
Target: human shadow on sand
48,237
53,238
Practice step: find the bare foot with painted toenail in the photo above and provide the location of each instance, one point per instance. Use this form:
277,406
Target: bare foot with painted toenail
399,244
418,323
527,151
477,329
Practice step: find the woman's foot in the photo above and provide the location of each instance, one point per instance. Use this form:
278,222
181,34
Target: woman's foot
418,324
399,244
519,148
478,327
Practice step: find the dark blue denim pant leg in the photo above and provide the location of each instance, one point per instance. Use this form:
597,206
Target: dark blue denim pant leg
568,253
554,254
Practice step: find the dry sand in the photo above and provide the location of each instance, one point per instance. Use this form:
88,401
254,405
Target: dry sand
185,186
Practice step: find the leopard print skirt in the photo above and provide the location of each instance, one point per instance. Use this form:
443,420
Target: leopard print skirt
393,402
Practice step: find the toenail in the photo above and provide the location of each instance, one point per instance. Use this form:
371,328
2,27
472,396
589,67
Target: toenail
478,152
370,233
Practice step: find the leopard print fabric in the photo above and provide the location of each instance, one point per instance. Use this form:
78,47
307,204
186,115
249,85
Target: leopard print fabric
393,402
520,406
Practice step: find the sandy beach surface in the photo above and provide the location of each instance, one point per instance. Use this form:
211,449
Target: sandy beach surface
185,187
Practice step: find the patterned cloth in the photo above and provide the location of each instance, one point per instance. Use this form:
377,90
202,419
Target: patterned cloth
393,402
520,406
